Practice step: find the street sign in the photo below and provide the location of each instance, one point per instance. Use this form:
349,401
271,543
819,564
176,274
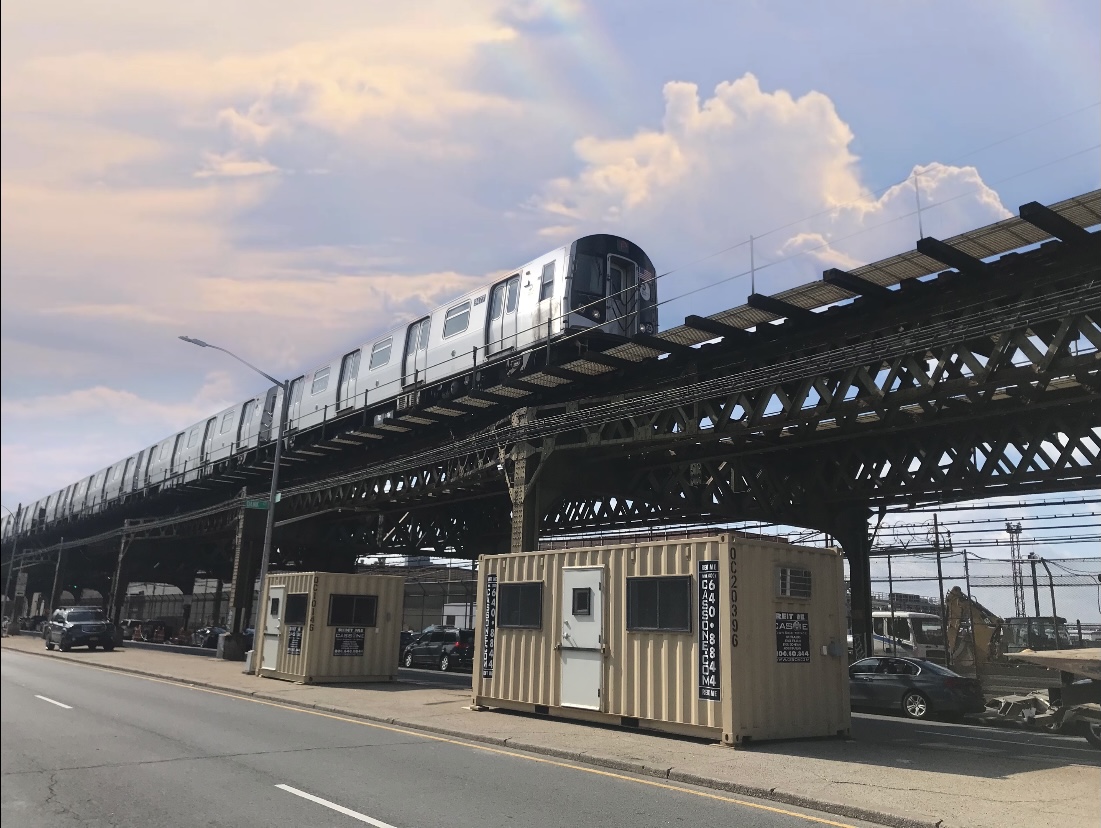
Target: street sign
262,502
20,584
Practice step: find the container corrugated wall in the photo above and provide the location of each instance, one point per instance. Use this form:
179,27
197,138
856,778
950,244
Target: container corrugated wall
316,661
654,676
647,675
773,700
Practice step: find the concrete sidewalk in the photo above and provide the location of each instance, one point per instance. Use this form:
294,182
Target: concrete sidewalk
934,785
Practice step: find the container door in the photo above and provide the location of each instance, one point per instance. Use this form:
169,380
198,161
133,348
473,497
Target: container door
273,623
622,296
582,637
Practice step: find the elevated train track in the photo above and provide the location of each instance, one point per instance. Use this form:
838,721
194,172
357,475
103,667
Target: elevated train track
905,389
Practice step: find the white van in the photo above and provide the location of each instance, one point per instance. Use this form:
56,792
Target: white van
917,634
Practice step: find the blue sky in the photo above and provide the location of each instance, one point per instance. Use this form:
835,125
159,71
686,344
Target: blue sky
285,182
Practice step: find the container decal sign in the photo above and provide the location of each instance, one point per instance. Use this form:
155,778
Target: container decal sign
792,637
349,641
294,640
708,579
489,626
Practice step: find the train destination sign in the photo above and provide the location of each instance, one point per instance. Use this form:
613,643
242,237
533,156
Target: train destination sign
707,576
349,641
792,637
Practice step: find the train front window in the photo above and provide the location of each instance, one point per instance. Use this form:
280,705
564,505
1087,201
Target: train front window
588,275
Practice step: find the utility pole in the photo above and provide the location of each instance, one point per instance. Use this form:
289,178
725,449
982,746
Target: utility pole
940,587
1035,586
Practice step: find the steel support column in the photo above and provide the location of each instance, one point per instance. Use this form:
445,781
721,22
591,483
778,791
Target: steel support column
851,529
247,548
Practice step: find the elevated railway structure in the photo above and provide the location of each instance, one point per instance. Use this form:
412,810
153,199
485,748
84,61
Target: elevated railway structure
967,368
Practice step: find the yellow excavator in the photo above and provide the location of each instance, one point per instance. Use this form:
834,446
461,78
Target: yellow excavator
977,637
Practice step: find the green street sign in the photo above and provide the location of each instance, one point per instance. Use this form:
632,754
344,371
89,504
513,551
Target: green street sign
262,502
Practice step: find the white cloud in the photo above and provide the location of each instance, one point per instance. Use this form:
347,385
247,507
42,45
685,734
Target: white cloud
748,161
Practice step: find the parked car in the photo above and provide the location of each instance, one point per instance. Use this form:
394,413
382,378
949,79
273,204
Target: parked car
33,623
446,648
407,638
78,627
207,637
917,688
130,625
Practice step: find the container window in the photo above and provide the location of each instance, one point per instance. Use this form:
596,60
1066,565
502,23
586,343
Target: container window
659,604
457,320
352,610
582,601
380,353
794,583
520,605
296,608
320,380
546,283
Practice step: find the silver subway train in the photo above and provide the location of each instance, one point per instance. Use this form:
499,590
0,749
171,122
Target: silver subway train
589,294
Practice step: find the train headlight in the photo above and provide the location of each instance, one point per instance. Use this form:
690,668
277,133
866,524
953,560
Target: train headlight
647,328
595,314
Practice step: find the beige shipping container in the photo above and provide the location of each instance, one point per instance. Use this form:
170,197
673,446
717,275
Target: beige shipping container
727,637
329,626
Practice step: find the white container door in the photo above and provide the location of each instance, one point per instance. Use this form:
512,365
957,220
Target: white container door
273,623
582,637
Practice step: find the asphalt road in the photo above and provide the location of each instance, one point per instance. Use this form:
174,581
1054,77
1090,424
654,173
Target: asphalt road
83,746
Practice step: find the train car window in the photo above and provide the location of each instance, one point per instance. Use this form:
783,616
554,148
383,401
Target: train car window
513,294
546,284
425,328
227,422
457,320
246,417
320,380
497,301
164,451
380,353
193,437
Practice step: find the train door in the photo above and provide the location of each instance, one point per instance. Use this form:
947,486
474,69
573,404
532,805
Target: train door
272,402
622,296
349,372
416,352
208,439
244,426
177,453
502,328
295,404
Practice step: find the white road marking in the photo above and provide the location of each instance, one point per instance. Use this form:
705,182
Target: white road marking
378,823
51,701
1007,742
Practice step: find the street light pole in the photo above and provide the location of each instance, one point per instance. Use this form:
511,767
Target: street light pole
269,528
11,564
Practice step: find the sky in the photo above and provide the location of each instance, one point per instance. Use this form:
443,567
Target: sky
287,180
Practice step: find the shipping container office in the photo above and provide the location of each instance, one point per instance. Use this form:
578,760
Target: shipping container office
726,637
330,626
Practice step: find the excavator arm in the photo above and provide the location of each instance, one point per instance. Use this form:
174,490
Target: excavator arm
965,613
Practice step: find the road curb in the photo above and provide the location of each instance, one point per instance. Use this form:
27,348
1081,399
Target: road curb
610,762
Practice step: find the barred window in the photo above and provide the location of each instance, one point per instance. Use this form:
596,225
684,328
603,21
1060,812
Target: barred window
793,583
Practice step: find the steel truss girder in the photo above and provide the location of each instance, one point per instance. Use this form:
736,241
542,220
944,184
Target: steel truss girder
1052,448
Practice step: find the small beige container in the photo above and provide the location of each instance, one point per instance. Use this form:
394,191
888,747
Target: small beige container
329,626
727,637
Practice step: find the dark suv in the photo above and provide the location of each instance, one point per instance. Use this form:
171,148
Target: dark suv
445,649
78,627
